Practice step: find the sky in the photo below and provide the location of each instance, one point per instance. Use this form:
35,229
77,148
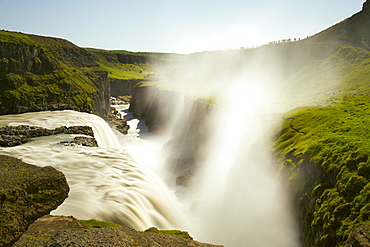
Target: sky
173,26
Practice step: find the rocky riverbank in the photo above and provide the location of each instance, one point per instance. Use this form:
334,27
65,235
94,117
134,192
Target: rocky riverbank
16,135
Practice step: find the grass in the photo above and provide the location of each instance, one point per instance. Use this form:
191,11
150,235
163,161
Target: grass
178,233
36,237
334,138
125,72
96,224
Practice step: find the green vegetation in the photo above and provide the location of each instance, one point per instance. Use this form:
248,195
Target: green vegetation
96,224
125,71
125,65
336,139
36,237
324,150
178,233
333,137
36,72
41,73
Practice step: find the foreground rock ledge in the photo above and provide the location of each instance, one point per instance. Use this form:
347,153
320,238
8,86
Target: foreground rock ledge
118,236
27,192
68,231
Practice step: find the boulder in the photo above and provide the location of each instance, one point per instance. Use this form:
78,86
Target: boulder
27,192
11,136
82,141
47,226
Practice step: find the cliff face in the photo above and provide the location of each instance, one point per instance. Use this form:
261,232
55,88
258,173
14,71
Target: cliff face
122,87
41,73
324,153
160,109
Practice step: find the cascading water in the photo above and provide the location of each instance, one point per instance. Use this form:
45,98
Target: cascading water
106,183
236,196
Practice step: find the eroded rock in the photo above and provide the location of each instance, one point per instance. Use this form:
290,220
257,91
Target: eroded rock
27,192
11,136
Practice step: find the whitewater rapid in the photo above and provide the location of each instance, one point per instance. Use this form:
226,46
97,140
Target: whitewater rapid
106,183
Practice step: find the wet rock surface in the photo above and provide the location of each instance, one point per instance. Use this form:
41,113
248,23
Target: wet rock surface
11,136
115,119
27,192
121,125
82,141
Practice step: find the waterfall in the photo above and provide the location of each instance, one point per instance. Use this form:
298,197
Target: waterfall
237,198
234,196
106,183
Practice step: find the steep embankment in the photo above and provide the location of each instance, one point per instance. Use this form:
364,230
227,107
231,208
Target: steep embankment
353,31
323,150
41,73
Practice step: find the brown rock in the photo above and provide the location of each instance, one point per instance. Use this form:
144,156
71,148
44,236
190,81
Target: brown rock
45,227
359,237
118,236
27,192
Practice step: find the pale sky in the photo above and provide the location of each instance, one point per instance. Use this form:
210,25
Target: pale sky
173,26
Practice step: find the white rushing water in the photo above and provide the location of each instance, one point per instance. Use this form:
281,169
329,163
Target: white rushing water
235,198
106,183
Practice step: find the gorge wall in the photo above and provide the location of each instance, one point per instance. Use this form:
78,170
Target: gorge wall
42,73
120,87
173,114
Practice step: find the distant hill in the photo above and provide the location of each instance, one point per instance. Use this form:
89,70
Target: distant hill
353,31
323,147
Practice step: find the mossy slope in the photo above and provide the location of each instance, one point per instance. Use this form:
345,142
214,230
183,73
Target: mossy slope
324,149
44,73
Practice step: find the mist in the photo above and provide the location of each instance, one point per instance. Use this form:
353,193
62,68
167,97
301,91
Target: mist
223,169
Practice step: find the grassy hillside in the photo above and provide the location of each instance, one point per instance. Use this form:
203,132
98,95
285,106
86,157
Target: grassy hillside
324,149
44,73
127,65
334,139
39,73
353,31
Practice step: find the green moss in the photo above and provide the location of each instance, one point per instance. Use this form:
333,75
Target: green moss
334,138
36,237
178,233
96,224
